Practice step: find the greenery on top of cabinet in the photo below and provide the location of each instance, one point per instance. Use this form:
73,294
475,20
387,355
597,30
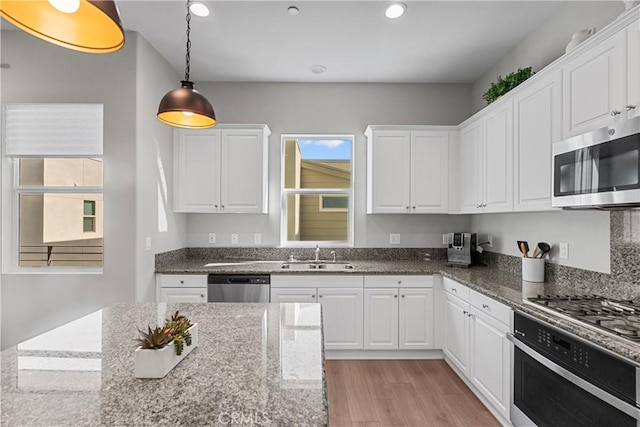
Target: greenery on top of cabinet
504,85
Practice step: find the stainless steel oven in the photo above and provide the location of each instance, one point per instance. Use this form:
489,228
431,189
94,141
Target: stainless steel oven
600,169
561,380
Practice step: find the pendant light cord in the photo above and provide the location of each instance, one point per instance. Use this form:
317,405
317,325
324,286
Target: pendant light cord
188,55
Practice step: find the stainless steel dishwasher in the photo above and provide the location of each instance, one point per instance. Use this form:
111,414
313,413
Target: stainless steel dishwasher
238,287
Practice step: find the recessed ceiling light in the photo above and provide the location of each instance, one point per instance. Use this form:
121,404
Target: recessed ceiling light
293,11
395,10
199,9
318,69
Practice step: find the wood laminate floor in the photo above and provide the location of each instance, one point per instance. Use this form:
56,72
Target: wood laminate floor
416,393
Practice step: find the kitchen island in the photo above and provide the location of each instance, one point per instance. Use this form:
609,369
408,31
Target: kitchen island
256,364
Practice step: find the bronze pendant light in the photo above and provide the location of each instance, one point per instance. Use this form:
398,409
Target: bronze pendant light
185,107
91,26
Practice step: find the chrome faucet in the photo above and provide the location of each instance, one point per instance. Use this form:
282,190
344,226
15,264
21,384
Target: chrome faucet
317,253
333,253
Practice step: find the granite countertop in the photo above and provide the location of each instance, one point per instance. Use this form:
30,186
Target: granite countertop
503,286
262,362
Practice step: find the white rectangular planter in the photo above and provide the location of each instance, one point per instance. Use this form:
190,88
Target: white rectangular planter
158,363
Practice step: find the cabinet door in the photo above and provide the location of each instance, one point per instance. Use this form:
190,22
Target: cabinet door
342,317
196,156
456,333
489,361
537,125
471,167
429,172
416,318
594,85
381,319
498,159
242,168
279,295
389,172
174,295
633,61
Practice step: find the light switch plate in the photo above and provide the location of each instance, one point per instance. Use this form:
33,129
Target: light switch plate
147,244
489,240
394,239
212,238
257,238
234,239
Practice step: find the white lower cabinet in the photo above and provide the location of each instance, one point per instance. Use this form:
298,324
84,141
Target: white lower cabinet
174,295
476,342
175,288
342,307
398,317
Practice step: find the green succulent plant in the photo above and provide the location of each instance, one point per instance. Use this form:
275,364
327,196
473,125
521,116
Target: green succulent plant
504,85
154,339
174,329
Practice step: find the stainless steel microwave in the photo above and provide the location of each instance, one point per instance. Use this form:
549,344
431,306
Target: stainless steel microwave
600,169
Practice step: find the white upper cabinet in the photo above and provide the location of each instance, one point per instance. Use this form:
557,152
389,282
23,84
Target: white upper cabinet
429,172
221,170
471,167
388,170
537,125
498,159
486,160
407,170
594,86
633,75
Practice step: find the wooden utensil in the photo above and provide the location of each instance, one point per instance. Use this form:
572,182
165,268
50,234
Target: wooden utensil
524,248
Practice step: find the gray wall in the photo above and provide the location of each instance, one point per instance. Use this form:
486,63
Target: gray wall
154,168
547,43
331,109
586,232
133,143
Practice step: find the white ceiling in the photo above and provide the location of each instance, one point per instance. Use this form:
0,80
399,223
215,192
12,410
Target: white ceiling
434,42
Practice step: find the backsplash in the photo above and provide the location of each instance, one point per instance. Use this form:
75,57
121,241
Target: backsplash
622,283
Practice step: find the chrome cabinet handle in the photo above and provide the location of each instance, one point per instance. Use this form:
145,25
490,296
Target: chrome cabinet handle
221,206
399,282
414,207
630,107
454,290
402,295
319,296
201,295
465,312
395,296
182,282
313,296
485,306
616,113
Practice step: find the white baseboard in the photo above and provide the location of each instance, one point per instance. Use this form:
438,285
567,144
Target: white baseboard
383,354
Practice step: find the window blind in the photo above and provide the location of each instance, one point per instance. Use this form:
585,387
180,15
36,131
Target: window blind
53,130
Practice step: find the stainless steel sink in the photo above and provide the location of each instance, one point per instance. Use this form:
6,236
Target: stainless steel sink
314,266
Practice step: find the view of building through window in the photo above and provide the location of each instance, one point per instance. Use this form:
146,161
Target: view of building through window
60,212
317,188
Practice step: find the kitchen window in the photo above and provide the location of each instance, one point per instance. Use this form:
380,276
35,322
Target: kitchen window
56,206
317,190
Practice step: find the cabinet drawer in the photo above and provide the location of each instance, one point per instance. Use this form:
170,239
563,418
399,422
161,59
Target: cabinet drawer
385,281
183,281
490,306
455,288
316,281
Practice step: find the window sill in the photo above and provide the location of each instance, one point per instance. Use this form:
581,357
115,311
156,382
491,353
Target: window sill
55,271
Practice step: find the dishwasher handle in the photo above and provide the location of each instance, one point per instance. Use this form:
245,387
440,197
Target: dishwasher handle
239,280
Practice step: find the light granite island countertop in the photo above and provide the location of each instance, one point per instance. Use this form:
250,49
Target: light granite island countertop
256,364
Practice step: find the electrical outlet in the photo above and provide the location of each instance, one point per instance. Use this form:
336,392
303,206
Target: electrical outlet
234,239
489,240
257,238
212,237
394,239
445,239
564,250
147,244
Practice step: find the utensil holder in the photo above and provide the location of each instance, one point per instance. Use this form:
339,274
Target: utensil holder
533,269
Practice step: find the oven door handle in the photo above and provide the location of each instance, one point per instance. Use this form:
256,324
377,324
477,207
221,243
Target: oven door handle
619,404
